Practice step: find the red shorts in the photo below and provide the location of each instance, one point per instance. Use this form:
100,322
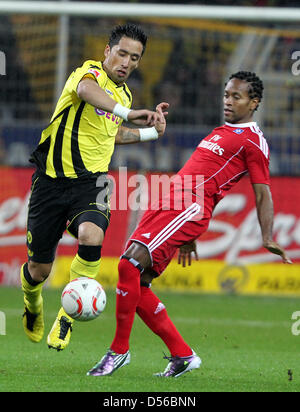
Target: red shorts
163,231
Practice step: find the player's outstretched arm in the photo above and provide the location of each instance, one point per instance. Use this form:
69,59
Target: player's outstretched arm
126,135
265,213
89,91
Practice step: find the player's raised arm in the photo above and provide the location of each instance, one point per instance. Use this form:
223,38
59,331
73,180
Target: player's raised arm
89,91
265,213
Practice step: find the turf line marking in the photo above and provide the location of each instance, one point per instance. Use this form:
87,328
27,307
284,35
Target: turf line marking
234,322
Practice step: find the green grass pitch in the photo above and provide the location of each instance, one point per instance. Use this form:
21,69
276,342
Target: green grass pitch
246,344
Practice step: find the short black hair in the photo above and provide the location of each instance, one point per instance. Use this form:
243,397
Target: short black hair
129,30
256,86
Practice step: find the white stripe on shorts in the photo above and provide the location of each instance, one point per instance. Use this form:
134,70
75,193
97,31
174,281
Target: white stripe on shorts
174,225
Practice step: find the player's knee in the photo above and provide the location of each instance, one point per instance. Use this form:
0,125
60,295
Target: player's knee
39,271
90,234
139,253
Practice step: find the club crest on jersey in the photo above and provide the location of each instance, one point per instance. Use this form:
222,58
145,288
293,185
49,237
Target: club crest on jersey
238,131
94,72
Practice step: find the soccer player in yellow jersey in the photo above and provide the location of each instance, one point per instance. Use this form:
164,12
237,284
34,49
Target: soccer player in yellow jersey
74,150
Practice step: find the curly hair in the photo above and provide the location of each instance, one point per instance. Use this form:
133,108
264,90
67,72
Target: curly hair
256,86
128,30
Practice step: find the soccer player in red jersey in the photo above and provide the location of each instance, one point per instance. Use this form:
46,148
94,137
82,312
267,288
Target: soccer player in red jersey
222,158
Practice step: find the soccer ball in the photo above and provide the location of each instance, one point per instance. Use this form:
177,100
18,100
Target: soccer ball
83,299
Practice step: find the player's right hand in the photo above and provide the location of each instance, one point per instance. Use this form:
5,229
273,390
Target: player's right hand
160,124
273,247
162,108
143,117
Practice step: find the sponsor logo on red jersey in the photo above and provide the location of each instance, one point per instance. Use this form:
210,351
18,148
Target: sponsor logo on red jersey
214,147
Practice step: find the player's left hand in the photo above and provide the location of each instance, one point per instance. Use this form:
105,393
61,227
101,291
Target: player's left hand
185,254
273,247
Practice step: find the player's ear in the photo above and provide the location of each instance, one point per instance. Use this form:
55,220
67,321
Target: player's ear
107,51
254,103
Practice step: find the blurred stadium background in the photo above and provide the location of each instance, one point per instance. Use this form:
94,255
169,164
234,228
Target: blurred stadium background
186,63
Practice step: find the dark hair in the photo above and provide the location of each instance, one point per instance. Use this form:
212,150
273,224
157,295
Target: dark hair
256,86
129,30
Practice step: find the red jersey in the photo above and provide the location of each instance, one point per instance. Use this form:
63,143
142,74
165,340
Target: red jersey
221,159
225,155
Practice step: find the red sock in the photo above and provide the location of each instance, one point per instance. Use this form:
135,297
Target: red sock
128,295
152,311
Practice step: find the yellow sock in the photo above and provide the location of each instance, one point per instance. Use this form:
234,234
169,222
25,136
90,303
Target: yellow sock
81,267
32,294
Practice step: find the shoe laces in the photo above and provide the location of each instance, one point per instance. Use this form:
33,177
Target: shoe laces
175,362
65,325
171,358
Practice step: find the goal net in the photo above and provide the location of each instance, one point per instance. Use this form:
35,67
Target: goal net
186,63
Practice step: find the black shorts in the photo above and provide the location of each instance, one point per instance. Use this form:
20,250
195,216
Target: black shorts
59,204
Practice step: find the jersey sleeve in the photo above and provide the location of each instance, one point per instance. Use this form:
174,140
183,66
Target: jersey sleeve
257,160
89,69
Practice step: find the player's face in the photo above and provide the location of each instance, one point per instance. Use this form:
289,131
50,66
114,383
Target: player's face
238,107
122,59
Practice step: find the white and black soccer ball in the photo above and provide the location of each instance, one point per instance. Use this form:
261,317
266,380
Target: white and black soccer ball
83,299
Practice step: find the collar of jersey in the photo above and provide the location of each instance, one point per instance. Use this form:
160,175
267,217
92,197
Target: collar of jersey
241,125
114,84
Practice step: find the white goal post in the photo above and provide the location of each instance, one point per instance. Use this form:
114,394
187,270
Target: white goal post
84,9
64,9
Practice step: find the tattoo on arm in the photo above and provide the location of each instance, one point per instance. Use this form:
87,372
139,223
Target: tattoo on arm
126,136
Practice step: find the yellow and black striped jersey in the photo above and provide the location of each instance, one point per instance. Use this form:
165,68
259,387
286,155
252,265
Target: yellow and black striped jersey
80,139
